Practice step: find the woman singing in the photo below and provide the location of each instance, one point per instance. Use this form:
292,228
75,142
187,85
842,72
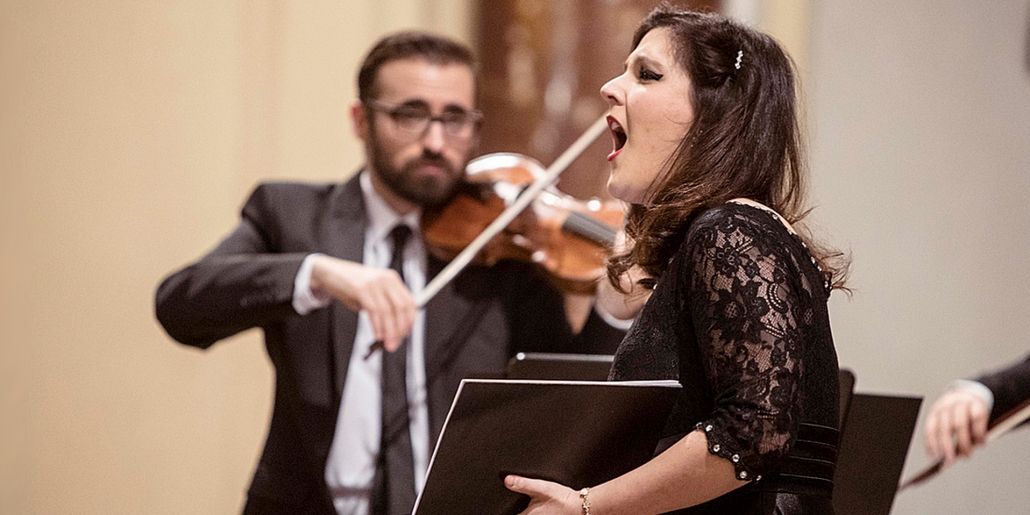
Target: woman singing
731,299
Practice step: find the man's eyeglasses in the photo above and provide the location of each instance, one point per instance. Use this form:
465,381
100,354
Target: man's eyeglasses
415,118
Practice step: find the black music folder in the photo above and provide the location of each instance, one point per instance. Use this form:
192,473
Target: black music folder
873,446
578,433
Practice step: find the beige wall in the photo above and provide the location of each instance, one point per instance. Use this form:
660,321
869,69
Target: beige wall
919,120
130,133
920,117
786,20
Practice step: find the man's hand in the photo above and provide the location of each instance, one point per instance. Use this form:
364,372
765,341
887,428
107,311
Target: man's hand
378,292
956,425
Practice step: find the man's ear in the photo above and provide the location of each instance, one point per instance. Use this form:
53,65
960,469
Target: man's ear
359,120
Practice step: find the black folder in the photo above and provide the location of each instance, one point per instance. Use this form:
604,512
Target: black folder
873,446
576,433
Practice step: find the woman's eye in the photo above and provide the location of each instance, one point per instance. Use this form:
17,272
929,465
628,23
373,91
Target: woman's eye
648,75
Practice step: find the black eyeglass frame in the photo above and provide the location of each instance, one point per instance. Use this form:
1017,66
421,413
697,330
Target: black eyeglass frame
454,123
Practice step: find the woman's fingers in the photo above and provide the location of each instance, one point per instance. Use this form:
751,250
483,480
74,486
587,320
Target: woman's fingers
525,485
546,497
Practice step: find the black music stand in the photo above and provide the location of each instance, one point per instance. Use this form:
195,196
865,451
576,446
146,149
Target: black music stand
875,441
559,367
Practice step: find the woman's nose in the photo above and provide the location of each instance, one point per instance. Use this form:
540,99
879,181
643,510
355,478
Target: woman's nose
611,92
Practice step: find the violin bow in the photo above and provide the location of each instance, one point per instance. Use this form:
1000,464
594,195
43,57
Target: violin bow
465,257
1004,424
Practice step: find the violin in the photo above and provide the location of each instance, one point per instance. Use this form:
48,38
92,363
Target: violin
568,237
501,222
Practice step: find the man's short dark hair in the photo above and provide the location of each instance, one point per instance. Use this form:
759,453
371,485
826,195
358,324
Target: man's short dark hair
434,49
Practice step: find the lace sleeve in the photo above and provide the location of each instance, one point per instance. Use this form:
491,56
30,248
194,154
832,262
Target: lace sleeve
744,306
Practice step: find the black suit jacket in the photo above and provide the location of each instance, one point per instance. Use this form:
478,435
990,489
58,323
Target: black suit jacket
472,326
1010,386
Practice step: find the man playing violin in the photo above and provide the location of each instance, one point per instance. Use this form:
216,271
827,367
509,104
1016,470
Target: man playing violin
364,378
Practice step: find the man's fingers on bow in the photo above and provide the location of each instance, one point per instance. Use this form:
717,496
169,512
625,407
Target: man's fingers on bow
930,432
401,316
945,436
960,425
389,306
980,415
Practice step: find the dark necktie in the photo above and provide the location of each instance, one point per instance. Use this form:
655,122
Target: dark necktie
394,485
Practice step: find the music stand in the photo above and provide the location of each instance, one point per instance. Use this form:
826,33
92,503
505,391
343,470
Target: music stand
559,367
873,447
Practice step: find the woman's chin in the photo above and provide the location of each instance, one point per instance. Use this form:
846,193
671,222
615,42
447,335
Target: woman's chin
623,193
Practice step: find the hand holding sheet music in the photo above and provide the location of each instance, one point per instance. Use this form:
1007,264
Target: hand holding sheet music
546,496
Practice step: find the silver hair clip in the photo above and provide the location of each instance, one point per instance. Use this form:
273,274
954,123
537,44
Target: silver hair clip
740,55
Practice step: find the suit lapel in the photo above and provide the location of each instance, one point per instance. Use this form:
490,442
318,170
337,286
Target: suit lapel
345,239
445,314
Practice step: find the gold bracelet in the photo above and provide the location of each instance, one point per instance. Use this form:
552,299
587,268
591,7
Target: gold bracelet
586,502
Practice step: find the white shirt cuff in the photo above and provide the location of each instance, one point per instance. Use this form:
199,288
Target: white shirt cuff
975,388
304,300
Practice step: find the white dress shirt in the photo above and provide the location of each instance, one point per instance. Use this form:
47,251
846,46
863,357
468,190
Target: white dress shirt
974,388
355,448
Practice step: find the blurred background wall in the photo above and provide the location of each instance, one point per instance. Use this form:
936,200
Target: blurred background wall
919,114
131,132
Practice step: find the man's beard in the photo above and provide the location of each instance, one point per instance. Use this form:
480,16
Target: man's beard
407,183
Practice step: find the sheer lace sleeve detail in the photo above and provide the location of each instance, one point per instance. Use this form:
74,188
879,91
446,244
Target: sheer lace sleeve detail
744,302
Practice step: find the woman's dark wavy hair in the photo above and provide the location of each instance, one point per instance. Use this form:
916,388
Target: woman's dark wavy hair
744,141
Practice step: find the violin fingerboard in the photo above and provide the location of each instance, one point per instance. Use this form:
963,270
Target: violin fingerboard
589,228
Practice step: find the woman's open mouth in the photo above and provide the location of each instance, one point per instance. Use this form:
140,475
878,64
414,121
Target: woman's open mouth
618,136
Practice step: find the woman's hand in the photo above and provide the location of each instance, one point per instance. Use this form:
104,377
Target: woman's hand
546,498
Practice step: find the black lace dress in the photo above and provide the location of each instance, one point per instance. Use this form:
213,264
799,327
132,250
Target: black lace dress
740,319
